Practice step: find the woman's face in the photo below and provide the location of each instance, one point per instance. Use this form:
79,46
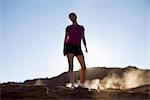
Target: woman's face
73,18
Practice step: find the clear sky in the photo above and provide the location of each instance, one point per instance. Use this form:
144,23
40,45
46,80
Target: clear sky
32,34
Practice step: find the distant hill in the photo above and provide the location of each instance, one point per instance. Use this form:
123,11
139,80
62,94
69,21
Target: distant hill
101,73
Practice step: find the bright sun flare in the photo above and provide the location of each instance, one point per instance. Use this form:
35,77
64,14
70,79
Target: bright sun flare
96,57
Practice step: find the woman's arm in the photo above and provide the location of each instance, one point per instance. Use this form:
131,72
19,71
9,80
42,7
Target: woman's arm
84,42
65,41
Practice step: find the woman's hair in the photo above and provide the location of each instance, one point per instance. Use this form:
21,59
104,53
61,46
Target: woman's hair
72,14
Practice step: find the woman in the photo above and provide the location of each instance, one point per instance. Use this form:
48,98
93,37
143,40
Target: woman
72,47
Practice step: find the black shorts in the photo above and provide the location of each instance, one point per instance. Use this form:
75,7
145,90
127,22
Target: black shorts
74,49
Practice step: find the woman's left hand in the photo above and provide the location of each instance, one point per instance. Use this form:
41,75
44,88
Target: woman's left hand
86,50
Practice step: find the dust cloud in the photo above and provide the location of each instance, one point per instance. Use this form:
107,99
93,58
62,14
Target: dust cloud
130,79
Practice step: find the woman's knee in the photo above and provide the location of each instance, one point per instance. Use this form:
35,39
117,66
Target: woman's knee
70,68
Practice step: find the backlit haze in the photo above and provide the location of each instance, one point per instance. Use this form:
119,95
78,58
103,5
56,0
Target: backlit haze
32,35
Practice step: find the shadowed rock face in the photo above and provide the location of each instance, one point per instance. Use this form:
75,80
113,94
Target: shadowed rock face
55,88
61,92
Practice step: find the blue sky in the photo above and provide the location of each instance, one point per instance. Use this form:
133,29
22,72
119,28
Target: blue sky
32,34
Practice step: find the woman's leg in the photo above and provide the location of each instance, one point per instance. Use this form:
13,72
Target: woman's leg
83,68
70,57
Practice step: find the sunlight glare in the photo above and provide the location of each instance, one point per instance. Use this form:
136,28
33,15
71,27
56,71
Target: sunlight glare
96,57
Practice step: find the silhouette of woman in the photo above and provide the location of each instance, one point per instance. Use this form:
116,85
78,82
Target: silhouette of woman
72,47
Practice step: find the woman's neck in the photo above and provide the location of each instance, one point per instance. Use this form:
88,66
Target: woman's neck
75,23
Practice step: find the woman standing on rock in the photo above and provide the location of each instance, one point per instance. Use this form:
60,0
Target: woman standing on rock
72,47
